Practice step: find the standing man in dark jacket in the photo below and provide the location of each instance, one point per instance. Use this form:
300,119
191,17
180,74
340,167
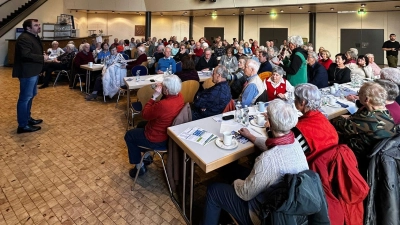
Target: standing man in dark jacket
316,73
28,63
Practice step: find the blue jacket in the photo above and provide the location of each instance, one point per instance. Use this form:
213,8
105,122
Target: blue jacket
213,100
317,75
164,63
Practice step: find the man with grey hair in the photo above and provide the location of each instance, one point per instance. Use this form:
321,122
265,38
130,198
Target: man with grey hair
206,62
159,115
296,69
142,57
254,86
212,101
316,73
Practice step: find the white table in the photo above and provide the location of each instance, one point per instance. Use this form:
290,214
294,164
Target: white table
132,84
208,157
95,67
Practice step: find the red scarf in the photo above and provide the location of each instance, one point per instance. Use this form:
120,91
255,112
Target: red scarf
283,140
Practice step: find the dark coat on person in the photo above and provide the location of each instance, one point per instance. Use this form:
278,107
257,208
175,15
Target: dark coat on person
28,60
317,75
382,204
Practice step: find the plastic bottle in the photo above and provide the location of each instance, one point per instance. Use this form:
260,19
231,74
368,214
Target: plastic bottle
137,76
238,112
246,115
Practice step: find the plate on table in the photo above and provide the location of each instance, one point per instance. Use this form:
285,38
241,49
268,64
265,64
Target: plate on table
333,105
254,123
220,144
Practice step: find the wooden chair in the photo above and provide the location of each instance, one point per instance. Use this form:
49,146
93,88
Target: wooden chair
208,83
189,90
265,75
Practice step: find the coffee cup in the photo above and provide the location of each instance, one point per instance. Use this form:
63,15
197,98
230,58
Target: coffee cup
261,106
227,138
260,120
90,64
333,90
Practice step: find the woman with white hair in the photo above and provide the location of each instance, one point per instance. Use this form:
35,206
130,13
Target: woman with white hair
296,68
392,74
369,125
376,70
281,154
54,51
159,115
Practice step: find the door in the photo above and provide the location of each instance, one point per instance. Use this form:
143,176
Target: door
275,34
213,32
365,40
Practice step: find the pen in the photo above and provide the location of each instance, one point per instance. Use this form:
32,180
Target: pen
256,131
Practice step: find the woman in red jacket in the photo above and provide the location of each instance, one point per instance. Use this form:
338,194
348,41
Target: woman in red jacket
159,115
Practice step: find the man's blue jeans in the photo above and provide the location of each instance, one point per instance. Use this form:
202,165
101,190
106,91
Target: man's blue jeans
27,90
223,196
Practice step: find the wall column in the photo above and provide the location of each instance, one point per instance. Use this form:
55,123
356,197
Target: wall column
241,27
312,28
190,27
148,25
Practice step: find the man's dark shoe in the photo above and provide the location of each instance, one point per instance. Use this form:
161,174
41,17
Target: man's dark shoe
43,86
32,121
148,160
28,128
132,172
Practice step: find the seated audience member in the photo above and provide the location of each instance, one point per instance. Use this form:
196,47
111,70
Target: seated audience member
362,69
188,70
112,79
142,57
229,61
103,53
166,62
247,49
159,53
313,131
368,126
325,60
237,78
62,62
316,73
392,74
376,70
296,69
255,87
265,66
159,115
54,51
212,101
207,62
392,92
219,50
182,53
277,86
281,154
338,72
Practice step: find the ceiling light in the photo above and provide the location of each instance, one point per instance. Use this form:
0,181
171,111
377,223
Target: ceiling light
332,9
300,7
252,10
281,10
362,5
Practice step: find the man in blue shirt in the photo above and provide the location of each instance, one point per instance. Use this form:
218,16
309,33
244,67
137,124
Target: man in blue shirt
254,86
165,62
212,101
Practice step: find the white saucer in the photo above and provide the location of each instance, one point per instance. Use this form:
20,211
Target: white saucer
220,144
334,105
253,122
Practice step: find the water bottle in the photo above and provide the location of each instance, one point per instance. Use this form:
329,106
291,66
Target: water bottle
137,76
170,70
246,116
238,112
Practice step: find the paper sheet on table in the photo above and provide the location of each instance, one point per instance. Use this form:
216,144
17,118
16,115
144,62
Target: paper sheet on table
159,78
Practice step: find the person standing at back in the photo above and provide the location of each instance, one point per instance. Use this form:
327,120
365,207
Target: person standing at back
28,63
392,50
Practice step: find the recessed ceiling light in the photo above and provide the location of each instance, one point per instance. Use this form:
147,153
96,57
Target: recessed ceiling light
252,10
281,10
300,7
362,5
332,9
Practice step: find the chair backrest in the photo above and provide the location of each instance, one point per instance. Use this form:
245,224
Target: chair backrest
145,63
143,70
126,57
178,66
133,51
265,75
208,83
189,90
144,94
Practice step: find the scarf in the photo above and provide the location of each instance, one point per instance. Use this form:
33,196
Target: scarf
283,140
